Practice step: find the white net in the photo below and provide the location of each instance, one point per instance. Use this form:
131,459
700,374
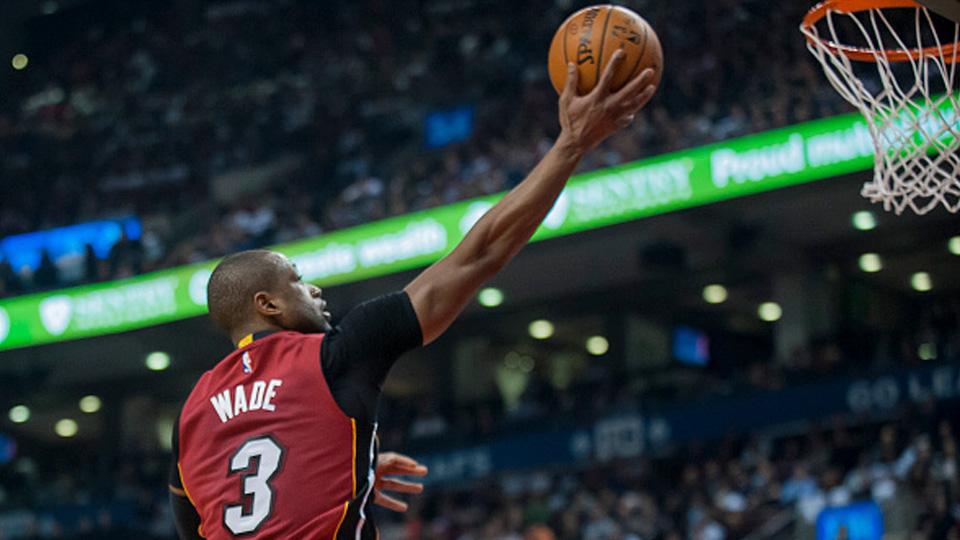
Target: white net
899,68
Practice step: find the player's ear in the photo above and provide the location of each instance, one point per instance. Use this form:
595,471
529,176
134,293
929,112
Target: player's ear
266,304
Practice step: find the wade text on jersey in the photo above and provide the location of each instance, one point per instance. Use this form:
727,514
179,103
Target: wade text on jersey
245,398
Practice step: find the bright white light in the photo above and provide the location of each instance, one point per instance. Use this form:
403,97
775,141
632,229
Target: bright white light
90,404
158,361
66,428
871,262
541,329
19,414
715,294
19,61
921,282
954,245
597,345
864,221
770,311
490,297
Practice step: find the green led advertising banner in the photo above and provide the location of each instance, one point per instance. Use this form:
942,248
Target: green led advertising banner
753,164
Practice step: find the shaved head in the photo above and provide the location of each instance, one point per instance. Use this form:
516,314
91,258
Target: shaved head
236,280
260,290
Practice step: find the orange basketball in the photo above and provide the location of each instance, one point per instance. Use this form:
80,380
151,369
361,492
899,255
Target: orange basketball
589,37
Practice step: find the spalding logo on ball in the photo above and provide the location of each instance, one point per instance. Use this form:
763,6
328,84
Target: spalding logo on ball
589,37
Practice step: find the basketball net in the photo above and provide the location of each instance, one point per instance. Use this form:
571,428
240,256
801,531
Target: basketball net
910,100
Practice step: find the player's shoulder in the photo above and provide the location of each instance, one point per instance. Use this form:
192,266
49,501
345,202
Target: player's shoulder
282,340
232,365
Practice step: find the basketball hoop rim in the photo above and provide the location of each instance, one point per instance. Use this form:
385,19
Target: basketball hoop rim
949,53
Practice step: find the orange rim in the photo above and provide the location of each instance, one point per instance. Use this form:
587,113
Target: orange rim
862,54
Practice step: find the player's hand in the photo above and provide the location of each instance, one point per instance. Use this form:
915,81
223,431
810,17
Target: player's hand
394,464
585,121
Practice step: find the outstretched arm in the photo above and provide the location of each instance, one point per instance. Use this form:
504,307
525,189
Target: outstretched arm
441,292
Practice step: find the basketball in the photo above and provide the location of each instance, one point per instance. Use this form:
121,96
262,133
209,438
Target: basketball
589,37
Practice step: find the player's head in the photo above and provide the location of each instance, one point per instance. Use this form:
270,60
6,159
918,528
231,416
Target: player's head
260,289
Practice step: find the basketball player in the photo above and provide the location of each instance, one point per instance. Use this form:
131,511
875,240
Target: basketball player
278,440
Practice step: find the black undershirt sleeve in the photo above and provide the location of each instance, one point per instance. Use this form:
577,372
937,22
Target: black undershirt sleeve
185,516
357,355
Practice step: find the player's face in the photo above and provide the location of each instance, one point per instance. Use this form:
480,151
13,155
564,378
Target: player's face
304,310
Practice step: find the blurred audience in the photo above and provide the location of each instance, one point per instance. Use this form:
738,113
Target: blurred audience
707,490
727,490
169,115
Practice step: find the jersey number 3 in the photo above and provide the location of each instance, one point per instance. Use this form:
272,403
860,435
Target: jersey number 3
267,457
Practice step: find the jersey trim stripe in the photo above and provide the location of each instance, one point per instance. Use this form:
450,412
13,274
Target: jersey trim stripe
250,338
353,477
353,461
343,516
189,498
182,483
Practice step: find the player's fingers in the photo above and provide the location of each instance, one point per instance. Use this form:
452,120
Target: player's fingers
392,463
603,87
393,469
641,100
634,106
387,457
400,486
635,86
406,462
411,467
625,121
573,77
416,470
389,502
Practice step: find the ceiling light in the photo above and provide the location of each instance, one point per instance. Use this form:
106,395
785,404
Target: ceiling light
864,221
715,294
490,297
90,404
66,428
921,282
597,345
770,311
870,262
19,61
19,414
541,329
157,361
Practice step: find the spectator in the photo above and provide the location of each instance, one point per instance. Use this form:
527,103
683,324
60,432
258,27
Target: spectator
91,264
9,282
47,276
126,257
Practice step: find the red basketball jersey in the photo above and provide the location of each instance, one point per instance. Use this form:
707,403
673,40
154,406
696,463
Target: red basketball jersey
264,450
